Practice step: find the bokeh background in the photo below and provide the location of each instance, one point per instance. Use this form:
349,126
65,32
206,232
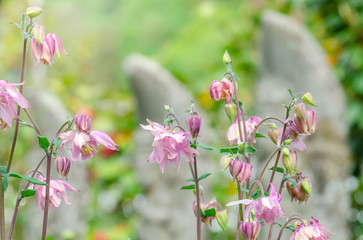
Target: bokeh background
187,37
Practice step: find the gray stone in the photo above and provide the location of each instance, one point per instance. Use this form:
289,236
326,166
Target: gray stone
168,211
292,59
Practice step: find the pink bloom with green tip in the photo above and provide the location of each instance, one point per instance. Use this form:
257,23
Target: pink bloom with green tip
84,141
312,231
57,191
9,97
169,146
44,47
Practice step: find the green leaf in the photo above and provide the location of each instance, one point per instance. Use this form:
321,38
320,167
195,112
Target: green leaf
245,190
43,143
278,169
188,187
209,212
6,181
258,135
206,147
3,170
261,221
28,193
26,178
257,194
294,184
204,176
17,24
190,180
248,150
289,90
57,142
229,150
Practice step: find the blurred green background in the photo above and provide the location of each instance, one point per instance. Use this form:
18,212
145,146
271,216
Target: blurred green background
187,37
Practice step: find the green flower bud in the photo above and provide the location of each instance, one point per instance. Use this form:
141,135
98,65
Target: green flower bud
222,218
224,162
226,57
289,159
308,98
231,111
33,11
300,111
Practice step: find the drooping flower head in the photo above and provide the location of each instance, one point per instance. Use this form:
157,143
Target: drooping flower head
268,208
62,166
205,206
302,190
193,124
9,96
84,141
57,191
169,146
312,231
221,90
233,132
44,47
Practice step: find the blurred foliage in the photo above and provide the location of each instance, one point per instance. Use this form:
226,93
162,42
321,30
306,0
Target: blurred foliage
188,38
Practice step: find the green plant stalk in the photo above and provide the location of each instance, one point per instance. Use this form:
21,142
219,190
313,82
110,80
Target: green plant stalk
2,214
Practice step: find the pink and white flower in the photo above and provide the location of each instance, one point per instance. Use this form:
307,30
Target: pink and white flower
57,191
84,141
169,146
233,132
9,96
312,231
221,90
266,208
44,47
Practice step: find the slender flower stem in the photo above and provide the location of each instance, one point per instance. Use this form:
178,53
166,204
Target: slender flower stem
19,108
238,110
199,230
270,232
260,123
18,200
2,208
282,183
46,207
37,129
279,153
289,220
240,198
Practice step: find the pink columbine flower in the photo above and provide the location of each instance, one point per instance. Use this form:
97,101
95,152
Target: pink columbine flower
44,47
233,132
222,90
57,192
293,133
193,124
169,146
84,141
9,96
266,208
312,231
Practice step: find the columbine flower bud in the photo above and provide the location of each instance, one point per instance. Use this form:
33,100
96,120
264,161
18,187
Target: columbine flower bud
274,134
241,171
62,165
226,57
289,159
205,206
301,125
224,162
300,111
308,98
222,219
311,120
302,190
33,11
83,123
231,111
193,124
38,33
250,230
